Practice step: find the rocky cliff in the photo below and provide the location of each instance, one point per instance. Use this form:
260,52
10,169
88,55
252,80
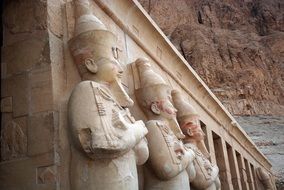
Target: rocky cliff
237,47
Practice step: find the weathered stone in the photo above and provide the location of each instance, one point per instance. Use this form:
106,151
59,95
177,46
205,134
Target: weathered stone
25,16
222,42
22,174
40,90
265,178
14,138
108,143
46,175
28,53
110,33
7,104
170,164
207,174
54,17
69,12
17,87
41,133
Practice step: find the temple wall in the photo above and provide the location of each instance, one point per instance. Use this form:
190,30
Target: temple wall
38,75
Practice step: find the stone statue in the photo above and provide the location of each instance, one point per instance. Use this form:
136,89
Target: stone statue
188,119
265,178
168,160
107,142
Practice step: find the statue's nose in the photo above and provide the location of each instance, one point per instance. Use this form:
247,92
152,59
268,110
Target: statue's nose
175,110
119,67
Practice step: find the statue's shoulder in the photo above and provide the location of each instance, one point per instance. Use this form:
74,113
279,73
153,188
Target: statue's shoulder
91,88
81,89
191,147
85,85
87,96
152,122
157,125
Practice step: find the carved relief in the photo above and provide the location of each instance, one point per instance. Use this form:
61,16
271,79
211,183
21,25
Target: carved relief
46,175
168,158
108,142
13,141
6,105
188,119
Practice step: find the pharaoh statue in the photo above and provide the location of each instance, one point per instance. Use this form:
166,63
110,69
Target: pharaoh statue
265,178
168,165
107,142
206,173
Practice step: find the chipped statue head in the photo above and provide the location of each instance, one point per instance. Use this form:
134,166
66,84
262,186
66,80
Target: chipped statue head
187,117
189,123
93,48
154,92
154,96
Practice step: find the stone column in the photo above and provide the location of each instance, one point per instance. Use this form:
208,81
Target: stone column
235,174
242,171
211,146
32,46
204,129
222,162
250,176
253,175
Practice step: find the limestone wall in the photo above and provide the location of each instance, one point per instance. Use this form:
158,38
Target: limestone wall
29,128
38,75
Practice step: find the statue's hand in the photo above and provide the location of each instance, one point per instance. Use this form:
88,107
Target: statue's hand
141,151
191,155
215,171
85,138
191,171
119,121
141,128
179,149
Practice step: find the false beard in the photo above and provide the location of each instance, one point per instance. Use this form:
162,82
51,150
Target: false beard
120,94
201,146
176,129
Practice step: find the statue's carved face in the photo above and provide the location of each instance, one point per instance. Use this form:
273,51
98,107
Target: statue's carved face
164,108
198,134
109,71
168,110
194,130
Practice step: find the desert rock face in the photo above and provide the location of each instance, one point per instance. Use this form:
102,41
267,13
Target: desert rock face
235,46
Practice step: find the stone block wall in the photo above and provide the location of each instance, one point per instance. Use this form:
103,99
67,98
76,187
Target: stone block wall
29,127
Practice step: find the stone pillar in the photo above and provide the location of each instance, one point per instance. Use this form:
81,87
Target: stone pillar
32,48
242,171
205,130
211,149
222,162
253,175
236,179
250,175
